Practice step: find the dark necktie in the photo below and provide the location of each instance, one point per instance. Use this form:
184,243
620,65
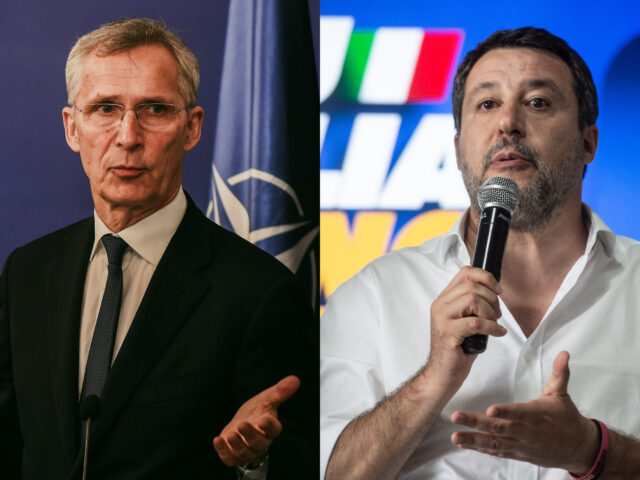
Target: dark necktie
104,335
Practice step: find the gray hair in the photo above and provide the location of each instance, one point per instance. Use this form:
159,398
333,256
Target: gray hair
129,33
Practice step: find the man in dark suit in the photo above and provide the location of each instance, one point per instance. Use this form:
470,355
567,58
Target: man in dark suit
208,339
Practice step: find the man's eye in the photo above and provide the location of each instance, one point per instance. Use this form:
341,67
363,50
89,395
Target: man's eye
105,108
487,105
156,108
538,103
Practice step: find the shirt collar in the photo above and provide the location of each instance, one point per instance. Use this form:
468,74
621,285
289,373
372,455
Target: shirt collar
598,230
150,236
453,244
453,241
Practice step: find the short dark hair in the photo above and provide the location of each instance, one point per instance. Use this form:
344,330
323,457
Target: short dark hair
530,37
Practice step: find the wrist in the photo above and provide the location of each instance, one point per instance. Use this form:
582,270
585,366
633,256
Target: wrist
437,383
587,447
596,467
255,469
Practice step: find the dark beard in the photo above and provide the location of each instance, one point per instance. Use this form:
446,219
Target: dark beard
540,200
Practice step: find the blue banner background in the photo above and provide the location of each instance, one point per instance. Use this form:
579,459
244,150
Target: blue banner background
42,185
606,35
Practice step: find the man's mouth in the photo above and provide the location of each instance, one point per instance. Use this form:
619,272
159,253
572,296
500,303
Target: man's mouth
509,159
127,170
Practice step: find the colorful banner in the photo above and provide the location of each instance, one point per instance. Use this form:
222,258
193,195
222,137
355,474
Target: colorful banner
389,176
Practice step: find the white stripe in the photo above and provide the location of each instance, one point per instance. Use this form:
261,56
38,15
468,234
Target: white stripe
335,33
330,188
237,214
267,232
367,158
391,65
293,257
324,124
426,171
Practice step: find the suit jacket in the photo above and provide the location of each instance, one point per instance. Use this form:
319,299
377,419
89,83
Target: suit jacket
220,322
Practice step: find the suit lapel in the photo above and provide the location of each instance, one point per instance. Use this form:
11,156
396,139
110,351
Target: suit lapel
65,280
174,291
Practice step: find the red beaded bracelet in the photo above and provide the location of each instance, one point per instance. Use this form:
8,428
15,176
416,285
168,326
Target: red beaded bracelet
598,466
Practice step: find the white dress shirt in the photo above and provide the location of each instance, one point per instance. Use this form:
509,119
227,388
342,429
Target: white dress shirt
375,336
147,240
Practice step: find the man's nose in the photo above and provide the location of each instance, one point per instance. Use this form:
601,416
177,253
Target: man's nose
511,120
129,131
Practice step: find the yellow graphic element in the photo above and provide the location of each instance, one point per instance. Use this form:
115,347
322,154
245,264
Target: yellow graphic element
344,251
425,226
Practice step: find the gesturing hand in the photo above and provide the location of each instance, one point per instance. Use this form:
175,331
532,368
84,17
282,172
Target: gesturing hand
255,424
548,431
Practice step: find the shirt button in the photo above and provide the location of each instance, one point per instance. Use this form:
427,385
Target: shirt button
527,358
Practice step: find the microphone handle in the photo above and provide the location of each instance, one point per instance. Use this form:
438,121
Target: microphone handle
86,450
490,243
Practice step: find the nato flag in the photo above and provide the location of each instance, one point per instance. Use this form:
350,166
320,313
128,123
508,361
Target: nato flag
265,171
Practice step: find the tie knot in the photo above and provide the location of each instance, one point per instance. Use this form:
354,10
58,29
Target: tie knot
115,247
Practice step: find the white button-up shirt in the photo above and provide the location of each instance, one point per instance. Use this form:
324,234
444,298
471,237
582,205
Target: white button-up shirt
375,336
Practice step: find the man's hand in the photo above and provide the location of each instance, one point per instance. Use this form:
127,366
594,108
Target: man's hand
467,306
548,431
255,424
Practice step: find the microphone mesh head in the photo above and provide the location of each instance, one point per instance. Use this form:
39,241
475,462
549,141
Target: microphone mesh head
499,192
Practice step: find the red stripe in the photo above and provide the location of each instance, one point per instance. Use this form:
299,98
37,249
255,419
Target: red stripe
435,66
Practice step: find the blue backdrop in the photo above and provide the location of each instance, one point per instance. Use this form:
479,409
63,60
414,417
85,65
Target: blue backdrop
42,185
606,35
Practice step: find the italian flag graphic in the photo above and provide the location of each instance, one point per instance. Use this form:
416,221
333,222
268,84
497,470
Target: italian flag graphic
389,65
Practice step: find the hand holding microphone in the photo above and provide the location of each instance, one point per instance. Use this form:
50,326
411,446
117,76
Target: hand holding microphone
464,314
498,199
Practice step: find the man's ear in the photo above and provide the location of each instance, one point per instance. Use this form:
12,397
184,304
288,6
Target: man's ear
70,132
590,136
456,143
194,128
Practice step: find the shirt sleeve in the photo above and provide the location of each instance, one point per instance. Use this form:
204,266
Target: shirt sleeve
351,376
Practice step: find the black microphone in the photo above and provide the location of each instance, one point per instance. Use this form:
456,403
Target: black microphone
89,410
498,198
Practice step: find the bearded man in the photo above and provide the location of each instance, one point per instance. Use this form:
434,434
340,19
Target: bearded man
400,398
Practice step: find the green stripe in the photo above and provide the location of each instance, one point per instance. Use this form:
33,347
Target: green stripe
355,63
